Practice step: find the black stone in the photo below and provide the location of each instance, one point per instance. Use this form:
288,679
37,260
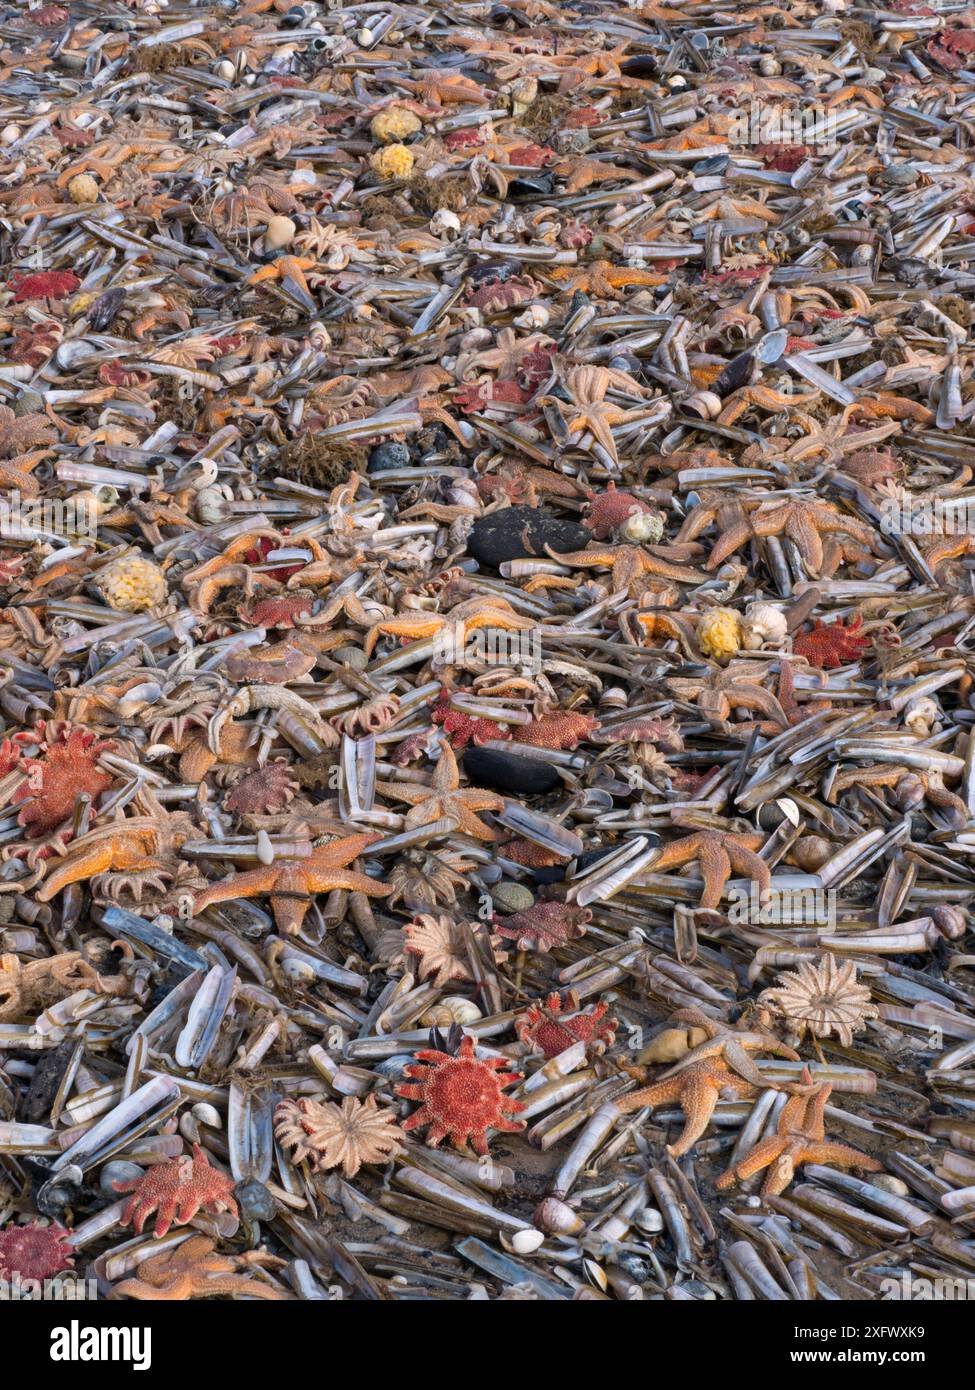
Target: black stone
391,455
495,272
509,772
515,532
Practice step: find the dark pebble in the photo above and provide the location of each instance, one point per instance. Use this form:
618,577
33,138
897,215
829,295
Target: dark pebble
515,532
507,772
391,455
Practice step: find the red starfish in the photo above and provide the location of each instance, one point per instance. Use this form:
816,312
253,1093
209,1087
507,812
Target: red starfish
785,159
280,610
264,791
952,48
115,374
68,767
532,856
463,728
471,398
34,1251
462,1097
531,156
534,368
461,139
544,925
498,294
610,509
558,730
177,1190
830,645
547,1028
46,284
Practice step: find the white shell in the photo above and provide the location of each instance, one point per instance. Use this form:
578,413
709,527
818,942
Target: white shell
525,1242
444,222
555,1216
452,1009
921,715
764,623
226,70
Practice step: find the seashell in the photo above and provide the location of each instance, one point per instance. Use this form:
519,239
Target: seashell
951,920
922,715
512,897
642,528
810,853
558,1219
119,1170
526,1242
453,1009
704,404
888,1183
763,623
280,232
444,223
671,1045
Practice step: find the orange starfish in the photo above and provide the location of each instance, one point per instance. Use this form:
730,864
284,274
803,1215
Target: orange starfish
629,564
717,852
290,883
285,268
603,278
192,1270
801,1138
696,1090
463,618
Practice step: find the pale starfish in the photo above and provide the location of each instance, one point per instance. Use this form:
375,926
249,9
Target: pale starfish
290,883
801,521
629,564
444,799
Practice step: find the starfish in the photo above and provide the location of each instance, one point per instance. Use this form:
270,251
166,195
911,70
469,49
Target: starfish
733,209
828,645
290,883
629,564
730,1046
544,925
118,846
733,688
445,799
436,87
581,173
192,1270
464,618
697,1090
801,1138
559,729
802,521
717,853
555,1025
462,1097
286,268
177,1190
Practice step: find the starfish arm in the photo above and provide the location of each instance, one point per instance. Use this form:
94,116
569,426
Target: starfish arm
406,625
802,531
245,885
675,855
840,1154
342,851
95,860
745,861
325,880
699,1096
660,1093
738,1058
405,791
477,800
755,1160
469,824
730,542
715,867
